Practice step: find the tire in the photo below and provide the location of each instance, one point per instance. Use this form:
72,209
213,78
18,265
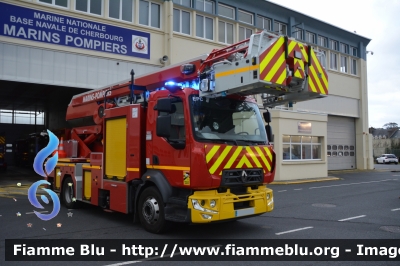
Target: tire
67,194
151,211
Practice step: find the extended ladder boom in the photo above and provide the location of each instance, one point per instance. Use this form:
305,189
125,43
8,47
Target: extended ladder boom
280,68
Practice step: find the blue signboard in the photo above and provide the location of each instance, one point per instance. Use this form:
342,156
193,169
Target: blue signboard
34,25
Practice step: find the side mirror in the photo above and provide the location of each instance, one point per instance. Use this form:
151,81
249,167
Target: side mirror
267,117
164,105
268,130
163,127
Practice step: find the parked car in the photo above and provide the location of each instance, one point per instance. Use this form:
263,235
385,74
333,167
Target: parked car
387,158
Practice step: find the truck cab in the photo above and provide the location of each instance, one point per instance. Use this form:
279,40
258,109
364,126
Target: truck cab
214,151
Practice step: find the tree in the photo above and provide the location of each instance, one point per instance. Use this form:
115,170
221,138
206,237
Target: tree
390,125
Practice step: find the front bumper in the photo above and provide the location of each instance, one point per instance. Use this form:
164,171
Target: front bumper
229,206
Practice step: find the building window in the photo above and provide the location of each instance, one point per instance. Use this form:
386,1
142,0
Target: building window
353,51
301,148
298,33
343,64
245,17
311,37
353,66
187,3
225,32
21,117
322,58
280,28
90,6
62,3
333,61
334,45
181,21
226,11
344,48
149,14
204,27
206,6
322,41
263,23
121,9
244,33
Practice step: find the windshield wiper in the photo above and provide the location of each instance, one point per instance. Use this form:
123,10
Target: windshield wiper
222,141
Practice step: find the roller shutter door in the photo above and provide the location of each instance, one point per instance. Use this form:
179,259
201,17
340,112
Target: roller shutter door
341,144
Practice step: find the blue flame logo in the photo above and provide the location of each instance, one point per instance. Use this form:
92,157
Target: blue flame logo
43,166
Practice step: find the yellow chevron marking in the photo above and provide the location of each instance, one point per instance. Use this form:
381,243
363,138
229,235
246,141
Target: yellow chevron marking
276,66
282,77
263,158
317,79
271,53
233,158
317,64
253,156
245,161
291,46
311,85
297,71
268,153
220,159
212,152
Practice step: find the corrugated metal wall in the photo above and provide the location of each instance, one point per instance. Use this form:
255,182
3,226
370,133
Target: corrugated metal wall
34,65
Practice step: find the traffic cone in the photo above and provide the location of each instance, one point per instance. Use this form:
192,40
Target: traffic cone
61,152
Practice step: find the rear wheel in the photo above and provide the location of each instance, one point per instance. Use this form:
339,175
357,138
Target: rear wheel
67,194
151,211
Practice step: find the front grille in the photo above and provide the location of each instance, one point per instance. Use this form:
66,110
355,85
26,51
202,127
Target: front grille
241,177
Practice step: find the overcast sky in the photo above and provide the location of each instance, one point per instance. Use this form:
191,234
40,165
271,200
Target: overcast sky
379,21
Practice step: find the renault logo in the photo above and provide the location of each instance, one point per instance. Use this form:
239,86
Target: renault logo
244,176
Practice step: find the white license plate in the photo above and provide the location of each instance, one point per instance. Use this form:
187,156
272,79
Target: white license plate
244,212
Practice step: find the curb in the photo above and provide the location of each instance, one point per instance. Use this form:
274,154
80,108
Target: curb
294,182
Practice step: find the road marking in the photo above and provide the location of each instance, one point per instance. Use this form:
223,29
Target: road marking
171,255
124,263
393,210
353,184
298,189
351,218
294,230
34,212
282,191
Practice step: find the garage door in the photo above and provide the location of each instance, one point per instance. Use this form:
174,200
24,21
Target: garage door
341,143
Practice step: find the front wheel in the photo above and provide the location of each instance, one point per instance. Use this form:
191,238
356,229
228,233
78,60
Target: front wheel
151,211
67,194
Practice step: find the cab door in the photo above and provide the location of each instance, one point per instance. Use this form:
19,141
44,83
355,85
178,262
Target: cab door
171,154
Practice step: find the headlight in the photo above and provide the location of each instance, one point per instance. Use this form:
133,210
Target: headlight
268,196
197,206
212,203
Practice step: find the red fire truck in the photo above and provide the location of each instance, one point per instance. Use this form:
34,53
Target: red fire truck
187,143
3,163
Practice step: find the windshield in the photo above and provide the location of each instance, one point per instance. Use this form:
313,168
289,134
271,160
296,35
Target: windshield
226,119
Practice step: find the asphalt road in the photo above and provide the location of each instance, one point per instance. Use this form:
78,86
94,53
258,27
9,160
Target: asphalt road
361,205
